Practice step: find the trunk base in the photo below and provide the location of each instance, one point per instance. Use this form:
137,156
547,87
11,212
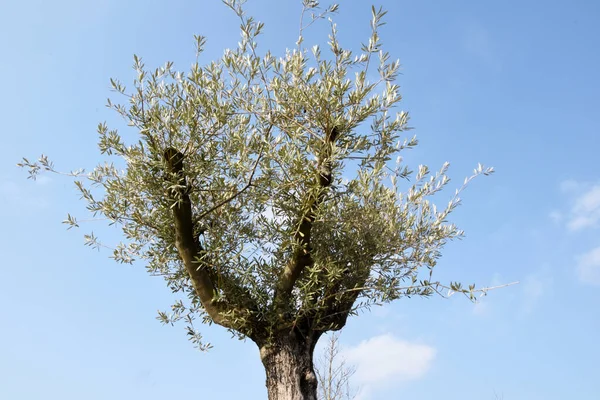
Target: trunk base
289,366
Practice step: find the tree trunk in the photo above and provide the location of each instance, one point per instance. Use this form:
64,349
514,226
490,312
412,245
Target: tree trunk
289,366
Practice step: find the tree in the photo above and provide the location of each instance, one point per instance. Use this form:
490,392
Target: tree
333,375
264,191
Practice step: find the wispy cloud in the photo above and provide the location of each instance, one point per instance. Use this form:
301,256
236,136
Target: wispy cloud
556,216
385,359
481,308
585,208
570,186
588,267
534,287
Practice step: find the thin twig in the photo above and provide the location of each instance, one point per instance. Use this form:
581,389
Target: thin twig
233,196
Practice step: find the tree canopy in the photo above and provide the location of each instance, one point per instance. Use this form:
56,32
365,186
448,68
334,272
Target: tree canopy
284,173
270,191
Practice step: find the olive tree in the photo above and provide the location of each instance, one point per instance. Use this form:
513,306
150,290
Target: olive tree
270,193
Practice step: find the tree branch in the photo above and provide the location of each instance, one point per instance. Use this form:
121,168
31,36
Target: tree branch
301,257
236,194
192,254
338,300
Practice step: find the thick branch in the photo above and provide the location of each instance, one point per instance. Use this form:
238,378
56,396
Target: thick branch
191,251
330,310
301,257
337,308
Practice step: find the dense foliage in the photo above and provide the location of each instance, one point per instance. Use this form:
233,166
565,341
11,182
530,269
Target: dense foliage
270,191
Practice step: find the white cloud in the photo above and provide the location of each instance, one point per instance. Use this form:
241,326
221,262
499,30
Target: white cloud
364,393
385,359
556,216
585,209
570,186
534,287
481,308
588,267
533,290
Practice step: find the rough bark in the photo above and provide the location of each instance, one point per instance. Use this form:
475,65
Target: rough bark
288,363
286,355
191,253
187,246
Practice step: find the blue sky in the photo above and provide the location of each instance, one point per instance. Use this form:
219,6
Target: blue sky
512,84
